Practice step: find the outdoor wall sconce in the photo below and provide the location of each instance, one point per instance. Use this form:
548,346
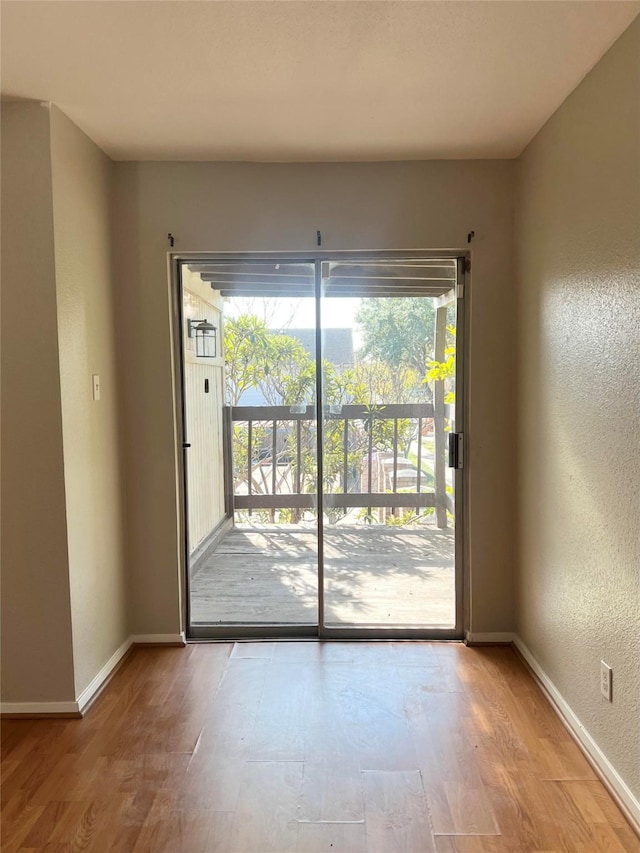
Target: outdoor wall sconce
206,337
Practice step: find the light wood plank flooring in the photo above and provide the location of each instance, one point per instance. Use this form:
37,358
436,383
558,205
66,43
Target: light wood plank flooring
312,748
377,575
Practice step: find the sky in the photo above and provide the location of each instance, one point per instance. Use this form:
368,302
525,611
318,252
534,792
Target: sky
286,313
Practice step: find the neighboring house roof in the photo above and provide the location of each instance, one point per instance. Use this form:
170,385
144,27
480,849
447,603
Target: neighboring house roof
337,347
337,344
253,397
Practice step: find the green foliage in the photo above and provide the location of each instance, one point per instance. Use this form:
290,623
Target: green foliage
282,369
289,372
274,362
440,370
366,516
246,347
428,478
445,371
375,384
398,332
287,516
404,519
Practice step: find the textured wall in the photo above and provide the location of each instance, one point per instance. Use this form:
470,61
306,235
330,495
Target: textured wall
579,400
37,658
257,207
81,179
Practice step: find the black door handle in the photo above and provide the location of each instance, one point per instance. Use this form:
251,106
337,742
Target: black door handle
452,462
185,445
455,450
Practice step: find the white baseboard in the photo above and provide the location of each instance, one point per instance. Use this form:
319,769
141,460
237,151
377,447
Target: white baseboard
77,708
496,637
96,684
618,788
159,639
35,708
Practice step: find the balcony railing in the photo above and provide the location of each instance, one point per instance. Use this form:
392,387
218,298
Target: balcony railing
271,451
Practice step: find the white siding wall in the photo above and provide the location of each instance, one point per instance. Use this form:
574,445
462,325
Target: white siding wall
205,476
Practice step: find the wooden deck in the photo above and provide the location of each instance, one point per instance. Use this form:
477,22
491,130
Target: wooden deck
373,576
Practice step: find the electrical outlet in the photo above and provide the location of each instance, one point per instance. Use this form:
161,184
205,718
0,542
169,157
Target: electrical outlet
606,681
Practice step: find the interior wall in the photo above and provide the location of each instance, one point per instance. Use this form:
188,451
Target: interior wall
578,242
37,655
81,178
279,207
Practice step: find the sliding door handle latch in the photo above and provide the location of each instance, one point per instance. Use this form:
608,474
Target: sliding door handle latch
456,447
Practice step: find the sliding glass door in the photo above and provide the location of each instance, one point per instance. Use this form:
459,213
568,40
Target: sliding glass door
320,427
388,536
250,423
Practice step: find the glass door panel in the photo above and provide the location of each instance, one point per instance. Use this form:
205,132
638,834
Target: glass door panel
388,406
369,346
250,412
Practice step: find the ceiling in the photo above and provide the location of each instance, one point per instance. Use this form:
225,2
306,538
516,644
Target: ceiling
305,81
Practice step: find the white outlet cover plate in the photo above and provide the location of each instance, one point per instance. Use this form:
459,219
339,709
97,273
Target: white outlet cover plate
606,680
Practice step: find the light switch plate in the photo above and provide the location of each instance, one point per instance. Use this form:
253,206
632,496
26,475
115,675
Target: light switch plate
96,386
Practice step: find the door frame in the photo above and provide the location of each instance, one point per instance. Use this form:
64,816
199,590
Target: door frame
320,631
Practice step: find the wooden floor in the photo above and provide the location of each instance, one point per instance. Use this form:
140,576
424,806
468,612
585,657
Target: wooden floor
377,575
311,748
